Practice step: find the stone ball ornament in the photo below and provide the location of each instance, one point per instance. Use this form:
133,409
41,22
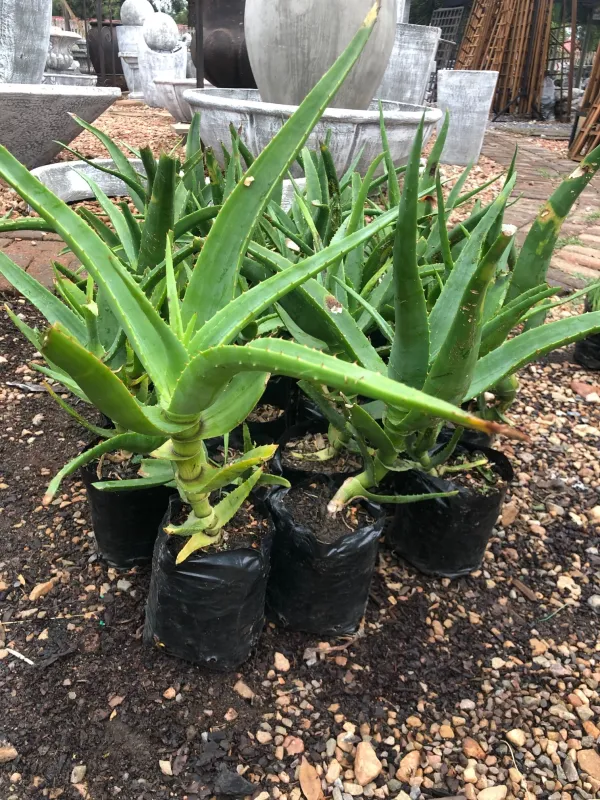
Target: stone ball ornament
136,12
161,33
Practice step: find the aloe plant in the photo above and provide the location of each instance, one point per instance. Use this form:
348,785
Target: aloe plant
452,344
200,384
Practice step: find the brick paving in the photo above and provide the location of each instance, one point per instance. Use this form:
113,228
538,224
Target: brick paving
575,263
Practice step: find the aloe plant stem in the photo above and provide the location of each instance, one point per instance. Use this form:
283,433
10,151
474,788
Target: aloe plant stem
190,459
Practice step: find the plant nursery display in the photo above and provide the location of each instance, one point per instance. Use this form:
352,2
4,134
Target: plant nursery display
351,322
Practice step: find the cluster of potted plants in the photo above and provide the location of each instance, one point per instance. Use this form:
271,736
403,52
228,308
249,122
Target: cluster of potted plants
386,332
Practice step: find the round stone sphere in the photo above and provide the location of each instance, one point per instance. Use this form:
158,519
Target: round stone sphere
160,32
135,12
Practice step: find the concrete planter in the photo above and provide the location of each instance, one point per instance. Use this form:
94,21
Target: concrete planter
291,45
467,95
24,37
130,38
158,64
411,64
170,94
64,179
34,118
352,130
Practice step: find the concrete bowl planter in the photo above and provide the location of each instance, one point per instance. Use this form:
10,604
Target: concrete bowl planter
34,118
259,122
170,94
64,179
467,95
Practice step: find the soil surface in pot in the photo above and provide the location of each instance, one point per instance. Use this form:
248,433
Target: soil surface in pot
265,413
246,529
483,479
119,466
343,462
308,506
501,649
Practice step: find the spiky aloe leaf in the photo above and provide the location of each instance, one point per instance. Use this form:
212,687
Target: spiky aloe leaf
132,442
214,279
228,323
107,392
222,476
234,404
280,357
159,216
447,305
46,303
157,347
497,329
433,159
409,356
117,219
528,346
534,259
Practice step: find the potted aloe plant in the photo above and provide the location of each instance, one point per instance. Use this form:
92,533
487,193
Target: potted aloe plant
452,345
206,374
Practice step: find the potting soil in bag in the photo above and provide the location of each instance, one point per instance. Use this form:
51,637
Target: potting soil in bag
126,522
314,586
447,536
210,608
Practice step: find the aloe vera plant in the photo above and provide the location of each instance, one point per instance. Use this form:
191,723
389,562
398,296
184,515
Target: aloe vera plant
201,381
451,343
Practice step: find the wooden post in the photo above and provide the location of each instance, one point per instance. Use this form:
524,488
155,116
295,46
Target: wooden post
572,57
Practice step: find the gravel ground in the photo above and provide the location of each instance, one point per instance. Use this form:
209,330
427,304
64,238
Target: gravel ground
485,687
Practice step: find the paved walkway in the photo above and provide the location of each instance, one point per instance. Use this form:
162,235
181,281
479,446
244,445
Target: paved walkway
540,171
576,262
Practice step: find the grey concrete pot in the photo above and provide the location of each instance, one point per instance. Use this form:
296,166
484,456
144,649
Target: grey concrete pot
129,38
24,38
467,95
292,44
64,179
352,130
157,64
34,118
411,64
170,94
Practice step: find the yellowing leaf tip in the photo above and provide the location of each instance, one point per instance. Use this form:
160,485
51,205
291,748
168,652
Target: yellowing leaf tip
371,17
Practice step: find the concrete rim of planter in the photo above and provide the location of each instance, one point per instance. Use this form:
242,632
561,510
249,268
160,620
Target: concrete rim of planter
44,88
65,181
223,99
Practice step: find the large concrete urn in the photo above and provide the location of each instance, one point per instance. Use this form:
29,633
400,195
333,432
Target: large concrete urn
292,43
24,39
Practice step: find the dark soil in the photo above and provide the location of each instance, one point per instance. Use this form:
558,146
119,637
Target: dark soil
308,506
265,413
96,696
483,479
343,462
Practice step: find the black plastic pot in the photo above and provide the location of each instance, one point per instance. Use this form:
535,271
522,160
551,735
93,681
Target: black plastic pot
447,536
316,587
209,609
125,523
587,351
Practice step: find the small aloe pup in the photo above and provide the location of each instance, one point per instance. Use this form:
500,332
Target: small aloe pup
202,383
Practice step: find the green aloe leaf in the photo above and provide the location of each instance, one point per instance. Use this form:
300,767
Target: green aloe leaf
159,216
232,407
157,347
46,303
528,346
131,442
213,282
281,357
118,221
107,392
534,258
409,356
497,329
447,305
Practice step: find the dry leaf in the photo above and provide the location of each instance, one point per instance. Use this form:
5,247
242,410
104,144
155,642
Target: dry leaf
310,783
